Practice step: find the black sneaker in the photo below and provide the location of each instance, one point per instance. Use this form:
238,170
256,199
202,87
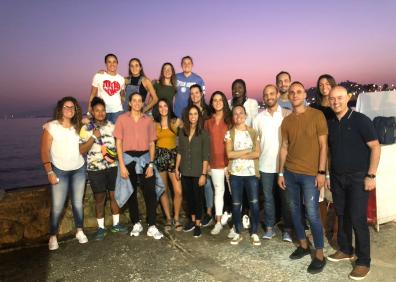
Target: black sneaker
197,231
189,227
316,265
207,220
300,253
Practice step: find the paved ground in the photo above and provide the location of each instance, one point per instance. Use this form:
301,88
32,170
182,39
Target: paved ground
180,257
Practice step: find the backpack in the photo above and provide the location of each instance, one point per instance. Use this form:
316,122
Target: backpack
385,128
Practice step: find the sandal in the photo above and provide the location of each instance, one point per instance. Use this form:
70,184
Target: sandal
178,226
168,225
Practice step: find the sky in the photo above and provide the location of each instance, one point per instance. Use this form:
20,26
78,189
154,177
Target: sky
50,49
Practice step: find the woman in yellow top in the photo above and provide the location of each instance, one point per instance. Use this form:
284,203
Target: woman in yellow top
167,126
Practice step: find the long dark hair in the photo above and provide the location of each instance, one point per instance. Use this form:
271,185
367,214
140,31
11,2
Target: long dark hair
171,117
140,64
76,121
332,82
241,81
205,107
161,78
186,121
227,116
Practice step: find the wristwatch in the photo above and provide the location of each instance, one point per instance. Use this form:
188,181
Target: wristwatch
151,164
372,176
321,172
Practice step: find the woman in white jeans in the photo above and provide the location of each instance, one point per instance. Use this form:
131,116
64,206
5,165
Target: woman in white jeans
217,126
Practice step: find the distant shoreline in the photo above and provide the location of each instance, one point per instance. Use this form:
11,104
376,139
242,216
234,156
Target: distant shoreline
24,117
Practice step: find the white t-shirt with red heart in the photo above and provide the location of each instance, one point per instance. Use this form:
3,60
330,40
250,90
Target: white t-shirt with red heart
109,89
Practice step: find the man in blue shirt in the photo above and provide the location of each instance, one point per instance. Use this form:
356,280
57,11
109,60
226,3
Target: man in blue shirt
185,79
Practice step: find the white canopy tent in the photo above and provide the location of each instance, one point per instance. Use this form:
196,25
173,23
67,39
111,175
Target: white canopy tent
375,104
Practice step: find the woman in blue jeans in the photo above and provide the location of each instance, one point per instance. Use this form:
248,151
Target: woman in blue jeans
243,151
64,166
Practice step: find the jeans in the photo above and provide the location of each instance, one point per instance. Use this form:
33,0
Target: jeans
238,185
194,195
208,194
113,116
218,178
350,202
270,187
72,182
297,186
147,185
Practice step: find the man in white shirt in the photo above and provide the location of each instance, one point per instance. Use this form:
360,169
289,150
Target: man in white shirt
267,123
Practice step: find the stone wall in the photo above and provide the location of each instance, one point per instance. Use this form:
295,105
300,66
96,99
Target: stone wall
24,216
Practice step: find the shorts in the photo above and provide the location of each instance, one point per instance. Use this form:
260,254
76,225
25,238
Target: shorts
103,180
165,159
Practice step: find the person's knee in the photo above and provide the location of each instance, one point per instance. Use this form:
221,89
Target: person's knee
358,220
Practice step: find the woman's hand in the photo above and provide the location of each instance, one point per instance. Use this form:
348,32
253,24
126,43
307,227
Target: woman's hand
85,120
124,172
202,180
177,174
96,133
53,179
149,172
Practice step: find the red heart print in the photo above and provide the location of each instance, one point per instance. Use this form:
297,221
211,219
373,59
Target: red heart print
111,88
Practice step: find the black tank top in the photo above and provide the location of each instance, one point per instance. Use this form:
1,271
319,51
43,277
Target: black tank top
138,81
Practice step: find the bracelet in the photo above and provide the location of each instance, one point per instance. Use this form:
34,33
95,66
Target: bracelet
204,174
50,172
280,174
46,163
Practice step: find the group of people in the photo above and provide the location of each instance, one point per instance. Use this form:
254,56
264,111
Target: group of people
216,157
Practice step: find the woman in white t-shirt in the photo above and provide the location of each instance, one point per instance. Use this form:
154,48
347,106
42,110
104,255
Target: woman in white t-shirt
243,151
64,165
109,85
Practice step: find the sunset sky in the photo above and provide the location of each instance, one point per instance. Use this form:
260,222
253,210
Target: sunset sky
51,49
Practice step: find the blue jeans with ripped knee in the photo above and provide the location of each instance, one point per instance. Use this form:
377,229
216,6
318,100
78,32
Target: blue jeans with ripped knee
298,185
250,183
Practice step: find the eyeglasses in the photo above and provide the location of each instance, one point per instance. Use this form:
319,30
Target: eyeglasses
71,108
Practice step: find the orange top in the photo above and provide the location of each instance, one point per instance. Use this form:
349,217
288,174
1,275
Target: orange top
217,132
166,138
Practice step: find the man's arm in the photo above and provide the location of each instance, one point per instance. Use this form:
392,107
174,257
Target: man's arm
375,148
320,178
282,159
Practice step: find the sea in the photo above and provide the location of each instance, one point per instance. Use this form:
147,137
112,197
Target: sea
20,164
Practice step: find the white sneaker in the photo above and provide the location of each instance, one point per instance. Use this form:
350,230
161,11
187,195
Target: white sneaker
154,232
82,239
245,221
232,233
237,238
137,228
255,240
225,218
53,243
216,229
